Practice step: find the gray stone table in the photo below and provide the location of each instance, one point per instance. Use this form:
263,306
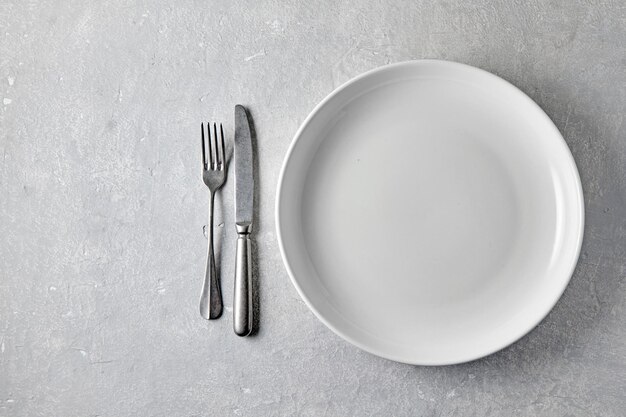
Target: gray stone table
102,208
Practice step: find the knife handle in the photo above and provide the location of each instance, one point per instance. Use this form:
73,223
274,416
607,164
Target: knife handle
242,303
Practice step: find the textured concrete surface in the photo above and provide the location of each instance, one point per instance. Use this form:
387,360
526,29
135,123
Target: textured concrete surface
102,208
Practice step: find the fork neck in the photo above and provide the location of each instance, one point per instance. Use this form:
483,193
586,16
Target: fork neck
211,206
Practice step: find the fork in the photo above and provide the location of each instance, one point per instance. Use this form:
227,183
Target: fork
213,175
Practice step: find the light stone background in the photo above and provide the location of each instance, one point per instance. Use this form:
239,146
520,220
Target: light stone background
102,208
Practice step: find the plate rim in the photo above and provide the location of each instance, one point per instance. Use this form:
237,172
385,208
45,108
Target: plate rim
399,358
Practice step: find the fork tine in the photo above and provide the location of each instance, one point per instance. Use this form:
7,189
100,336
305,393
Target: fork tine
203,146
222,149
214,158
210,158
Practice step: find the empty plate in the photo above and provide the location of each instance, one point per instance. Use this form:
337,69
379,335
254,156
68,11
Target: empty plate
429,212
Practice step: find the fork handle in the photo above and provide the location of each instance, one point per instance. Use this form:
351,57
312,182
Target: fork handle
211,298
242,302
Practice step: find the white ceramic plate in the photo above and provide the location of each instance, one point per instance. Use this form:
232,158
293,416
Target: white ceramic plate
429,212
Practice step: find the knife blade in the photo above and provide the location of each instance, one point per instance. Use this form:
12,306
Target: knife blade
244,178
244,202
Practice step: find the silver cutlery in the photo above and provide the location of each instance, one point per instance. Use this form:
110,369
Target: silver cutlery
213,175
244,201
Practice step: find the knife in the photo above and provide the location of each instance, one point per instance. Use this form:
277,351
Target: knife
244,201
